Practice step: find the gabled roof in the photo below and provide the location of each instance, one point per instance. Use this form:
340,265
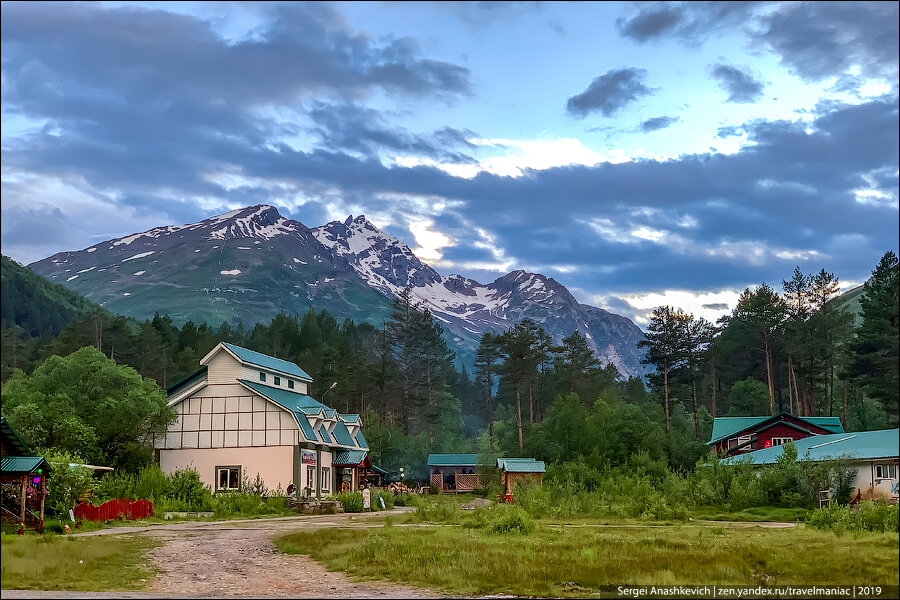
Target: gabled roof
863,445
349,418
521,465
267,362
726,427
455,460
12,438
361,440
323,435
22,464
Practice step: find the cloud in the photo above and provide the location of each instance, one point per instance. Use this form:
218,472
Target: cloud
656,123
820,39
742,88
609,93
689,21
816,40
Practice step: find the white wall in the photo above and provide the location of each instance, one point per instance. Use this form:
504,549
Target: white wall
274,464
873,488
229,416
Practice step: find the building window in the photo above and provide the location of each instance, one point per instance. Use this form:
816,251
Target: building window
781,440
277,380
885,471
311,478
262,376
290,384
228,478
326,477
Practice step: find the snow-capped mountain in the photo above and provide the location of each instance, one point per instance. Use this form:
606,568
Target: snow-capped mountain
468,308
249,264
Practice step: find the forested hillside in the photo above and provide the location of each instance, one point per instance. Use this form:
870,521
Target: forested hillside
39,307
794,350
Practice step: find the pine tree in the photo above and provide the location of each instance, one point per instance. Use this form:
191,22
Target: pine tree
663,341
487,364
875,358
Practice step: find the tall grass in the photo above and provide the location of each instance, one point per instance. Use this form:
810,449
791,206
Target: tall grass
870,516
51,562
560,561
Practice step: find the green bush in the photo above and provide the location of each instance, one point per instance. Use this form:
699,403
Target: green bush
504,519
871,516
351,501
187,487
437,509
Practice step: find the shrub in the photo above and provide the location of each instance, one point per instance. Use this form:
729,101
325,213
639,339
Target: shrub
66,483
188,488
437,509
351,501
871,516
504,519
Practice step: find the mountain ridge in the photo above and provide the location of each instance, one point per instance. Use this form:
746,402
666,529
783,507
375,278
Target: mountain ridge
250,263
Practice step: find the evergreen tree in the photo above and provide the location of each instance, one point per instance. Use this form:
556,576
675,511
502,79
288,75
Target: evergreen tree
663,340
875,359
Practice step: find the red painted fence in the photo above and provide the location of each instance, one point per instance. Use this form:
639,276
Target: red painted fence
137,509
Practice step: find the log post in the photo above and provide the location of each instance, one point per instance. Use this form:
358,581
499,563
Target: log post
24,485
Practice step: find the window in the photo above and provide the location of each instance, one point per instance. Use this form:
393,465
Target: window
277,380
885,471
781,440
290,384
311,477
228,478
262,376
326,477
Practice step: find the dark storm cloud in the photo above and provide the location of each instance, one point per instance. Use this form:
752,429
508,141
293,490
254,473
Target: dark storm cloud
610,92
816,40
715,306
742,88
655,123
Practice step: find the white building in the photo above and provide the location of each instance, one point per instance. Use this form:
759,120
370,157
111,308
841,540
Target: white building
243,414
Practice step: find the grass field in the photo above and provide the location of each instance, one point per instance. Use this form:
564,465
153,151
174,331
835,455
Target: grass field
54,562
559,561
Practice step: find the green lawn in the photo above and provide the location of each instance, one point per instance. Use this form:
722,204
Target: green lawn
558,561
53,562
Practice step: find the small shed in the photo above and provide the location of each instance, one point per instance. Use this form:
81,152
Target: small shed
516,469
23,480
455,473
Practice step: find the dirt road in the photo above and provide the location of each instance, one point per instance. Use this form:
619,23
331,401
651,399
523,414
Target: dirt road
238,558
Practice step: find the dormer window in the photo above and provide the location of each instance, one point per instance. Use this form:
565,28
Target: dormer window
290,384
262,376
277,380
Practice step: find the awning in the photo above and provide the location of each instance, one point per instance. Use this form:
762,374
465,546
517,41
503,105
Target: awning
351,458
22,464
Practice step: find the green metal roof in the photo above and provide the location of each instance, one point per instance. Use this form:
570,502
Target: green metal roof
186,380
268,362
349,457
521,465
305,427
13,439
349,418
361,440
342,435
455,460
725,427
323,435
862,445
287,398
22,464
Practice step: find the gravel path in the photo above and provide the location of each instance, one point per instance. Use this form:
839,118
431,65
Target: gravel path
238,559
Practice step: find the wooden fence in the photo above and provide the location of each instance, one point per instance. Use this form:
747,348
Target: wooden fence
137,509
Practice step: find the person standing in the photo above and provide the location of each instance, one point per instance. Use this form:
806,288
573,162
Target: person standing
367,498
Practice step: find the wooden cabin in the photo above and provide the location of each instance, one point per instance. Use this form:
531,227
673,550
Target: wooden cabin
455,473
518,469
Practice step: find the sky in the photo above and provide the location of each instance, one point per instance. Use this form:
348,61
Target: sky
639,153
